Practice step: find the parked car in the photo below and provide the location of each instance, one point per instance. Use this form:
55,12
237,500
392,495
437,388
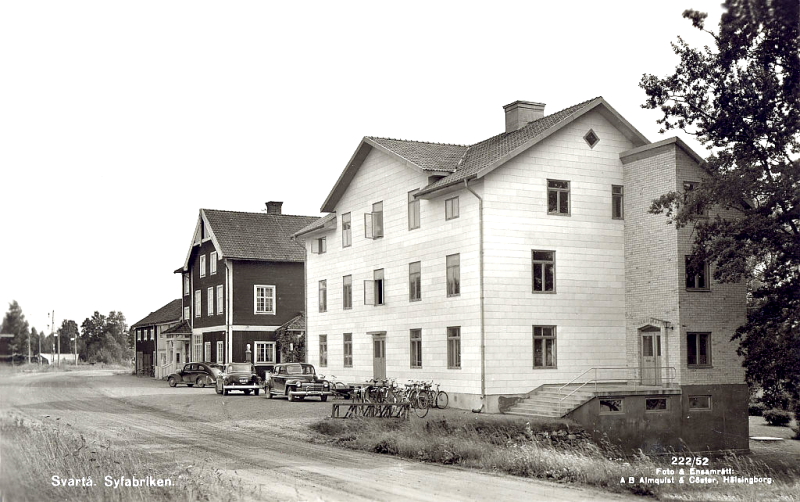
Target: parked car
296,381
239,376
200,374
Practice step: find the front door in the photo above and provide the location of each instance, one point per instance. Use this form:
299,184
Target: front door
651,357
379,357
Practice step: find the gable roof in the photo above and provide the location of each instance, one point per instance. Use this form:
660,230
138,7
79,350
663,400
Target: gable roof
329,221
457,163
254,236
183,328
170,312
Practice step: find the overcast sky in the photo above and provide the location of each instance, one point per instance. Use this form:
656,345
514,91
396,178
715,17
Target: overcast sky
120,120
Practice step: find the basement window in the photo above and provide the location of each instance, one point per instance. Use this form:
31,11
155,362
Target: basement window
699,402
656,404
609,405
591,138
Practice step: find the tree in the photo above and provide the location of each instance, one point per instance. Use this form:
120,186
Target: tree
14,323
105,338
92,334
68,329
740,97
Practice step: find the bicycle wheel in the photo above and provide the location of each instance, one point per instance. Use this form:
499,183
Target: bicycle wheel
423,404
442,399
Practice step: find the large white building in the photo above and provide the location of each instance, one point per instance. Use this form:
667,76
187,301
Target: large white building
509,268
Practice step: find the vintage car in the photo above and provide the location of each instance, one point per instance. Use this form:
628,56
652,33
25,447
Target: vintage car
200,374
296,381
239,376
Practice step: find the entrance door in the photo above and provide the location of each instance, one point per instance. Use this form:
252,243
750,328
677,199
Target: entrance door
379,357
651,357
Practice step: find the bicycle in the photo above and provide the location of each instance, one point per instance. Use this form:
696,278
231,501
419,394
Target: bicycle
440,398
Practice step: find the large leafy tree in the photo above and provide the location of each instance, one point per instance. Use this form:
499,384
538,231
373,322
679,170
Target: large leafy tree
14,323
105,338
740,97
68,329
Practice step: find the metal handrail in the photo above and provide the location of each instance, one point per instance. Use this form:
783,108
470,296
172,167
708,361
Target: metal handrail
669,377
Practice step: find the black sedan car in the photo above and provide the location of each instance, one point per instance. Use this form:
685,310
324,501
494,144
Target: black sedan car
296,381
238,376
200,374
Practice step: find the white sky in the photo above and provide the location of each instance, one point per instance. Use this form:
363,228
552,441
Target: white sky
119,120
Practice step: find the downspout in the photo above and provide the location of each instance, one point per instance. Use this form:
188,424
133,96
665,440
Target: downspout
228,310
480,273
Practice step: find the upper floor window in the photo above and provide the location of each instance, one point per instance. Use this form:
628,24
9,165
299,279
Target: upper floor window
544,346
186,284
454,347
202,265
264,352
138,335
187,312
451,208
617,194
198,298
416,348
323,350
347,292
413,210
374,290
698,349
544,271
347,349
414,281
212,262
319,246
698,279
264,297
591,138
323,296
347,236
210,298
373,222
220,299
454,275
558,197
698,208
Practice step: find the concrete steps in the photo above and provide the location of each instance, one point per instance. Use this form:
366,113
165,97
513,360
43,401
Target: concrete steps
546,401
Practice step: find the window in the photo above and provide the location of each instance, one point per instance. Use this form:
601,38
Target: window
544,346
699,402
656,404
374,290
187,313
319,246
264,353
264,299
220,352
591,138
373,222
220,299
544,271
347,292
696,279
186,284
611,405
414,281
698,349
138,335
210,297
454,275
197,302
451,208
323,295
416,348
207,352
197,347
617,199
454,347
413,210
212,262
347,349
698,208
323,350
347,236
558,197
149,333
203,266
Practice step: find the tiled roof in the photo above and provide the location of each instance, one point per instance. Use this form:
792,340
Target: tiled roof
168,313
428,156
258,236
483,154
316,225
179,329
296,323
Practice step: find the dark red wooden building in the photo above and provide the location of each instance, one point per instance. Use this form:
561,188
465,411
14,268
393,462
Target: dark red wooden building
153,357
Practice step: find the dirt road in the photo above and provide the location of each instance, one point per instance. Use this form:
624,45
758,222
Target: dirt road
262,443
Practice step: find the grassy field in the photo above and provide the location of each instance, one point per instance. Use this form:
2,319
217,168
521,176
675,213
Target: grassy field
33,452
555,450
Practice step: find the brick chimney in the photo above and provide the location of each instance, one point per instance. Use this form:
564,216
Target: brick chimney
519,113
274,207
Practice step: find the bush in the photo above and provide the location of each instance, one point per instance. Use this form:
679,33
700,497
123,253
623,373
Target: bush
777,417
756,409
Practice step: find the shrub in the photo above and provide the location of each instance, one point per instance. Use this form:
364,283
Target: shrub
777,417
756,409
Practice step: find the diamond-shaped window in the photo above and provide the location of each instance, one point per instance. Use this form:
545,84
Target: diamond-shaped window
591,138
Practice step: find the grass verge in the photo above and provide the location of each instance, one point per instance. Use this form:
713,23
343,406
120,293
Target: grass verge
556,450
33,453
